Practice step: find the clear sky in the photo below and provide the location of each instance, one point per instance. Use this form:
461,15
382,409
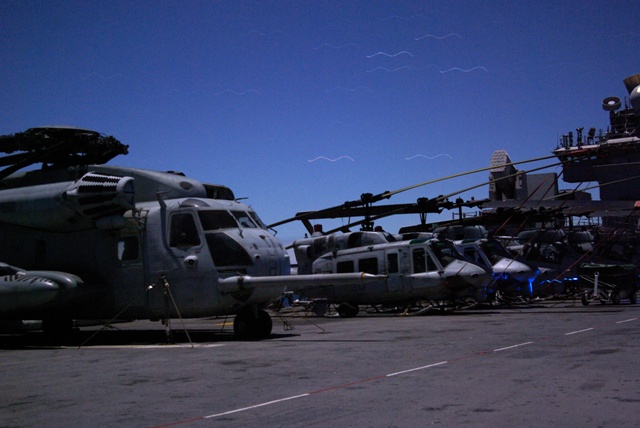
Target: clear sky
300,105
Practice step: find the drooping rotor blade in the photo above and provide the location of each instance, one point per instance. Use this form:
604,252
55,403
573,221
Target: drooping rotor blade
545,210
389,194
415,208
367,199
422,206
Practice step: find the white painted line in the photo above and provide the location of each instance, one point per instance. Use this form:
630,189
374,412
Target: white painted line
268,403
629,320
416,369
513,346
174,346
578,331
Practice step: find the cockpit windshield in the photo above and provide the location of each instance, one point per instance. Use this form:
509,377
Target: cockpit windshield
445,252
244,219
257,219
215,220
223,219
495,251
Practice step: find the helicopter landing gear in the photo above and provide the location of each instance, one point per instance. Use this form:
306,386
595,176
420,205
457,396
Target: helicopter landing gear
252,323
347,310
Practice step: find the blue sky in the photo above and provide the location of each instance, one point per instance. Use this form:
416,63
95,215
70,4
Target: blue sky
303,105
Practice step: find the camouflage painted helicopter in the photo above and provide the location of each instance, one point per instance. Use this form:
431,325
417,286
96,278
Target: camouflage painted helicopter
99,242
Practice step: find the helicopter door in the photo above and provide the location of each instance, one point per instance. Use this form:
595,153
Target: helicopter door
395,277
129,277
188,269
423,263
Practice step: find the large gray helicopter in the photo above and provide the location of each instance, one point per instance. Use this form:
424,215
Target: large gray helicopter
87,241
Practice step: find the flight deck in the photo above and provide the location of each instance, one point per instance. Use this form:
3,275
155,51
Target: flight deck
549,363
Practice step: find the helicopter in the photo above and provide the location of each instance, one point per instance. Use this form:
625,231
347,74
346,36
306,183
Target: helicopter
414,270
443,282
86,241
511,276
424,269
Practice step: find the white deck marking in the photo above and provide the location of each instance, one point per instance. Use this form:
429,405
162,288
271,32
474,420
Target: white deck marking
512,346
578,331
256,406
417,368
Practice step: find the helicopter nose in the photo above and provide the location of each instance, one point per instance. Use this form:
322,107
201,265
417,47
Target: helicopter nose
478,276
467,274
509,268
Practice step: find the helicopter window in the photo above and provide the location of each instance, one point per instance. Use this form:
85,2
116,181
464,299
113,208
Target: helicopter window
470,254
369,265
215,220
444,253
128,248
419,261
392,263
494,251
422,262
257,219
244,219
431,265
225,251
345,267
183,231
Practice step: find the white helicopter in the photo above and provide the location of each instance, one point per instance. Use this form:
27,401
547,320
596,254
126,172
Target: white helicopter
512,277
96,242
414,270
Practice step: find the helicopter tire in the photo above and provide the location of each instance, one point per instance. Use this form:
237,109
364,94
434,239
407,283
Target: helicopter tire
633,298
585,300
615,298
347,310
247,326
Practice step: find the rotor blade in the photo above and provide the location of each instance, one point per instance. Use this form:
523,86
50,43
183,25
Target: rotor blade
368,198
423,205
389,194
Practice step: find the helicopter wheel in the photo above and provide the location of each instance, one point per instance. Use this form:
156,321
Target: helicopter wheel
633,298
251,325
347,310
585,300
615,298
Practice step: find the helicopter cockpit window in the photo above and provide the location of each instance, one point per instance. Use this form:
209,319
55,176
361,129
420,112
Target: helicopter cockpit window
444,252
422,261
184,232
472,255
419,260
257,219
244,219
494,251
215,220
128,249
